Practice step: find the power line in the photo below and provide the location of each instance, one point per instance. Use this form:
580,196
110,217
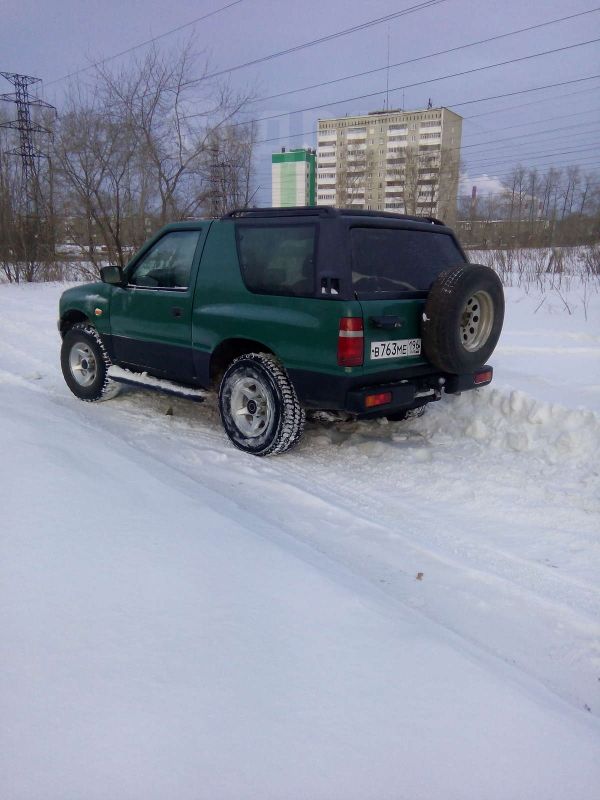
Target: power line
465,102
144,44
541,121
550,98
528,135
422,58
492,157
538,134
328,38
486,163
420,83
524,91
532,103
548,162
537,155
595,161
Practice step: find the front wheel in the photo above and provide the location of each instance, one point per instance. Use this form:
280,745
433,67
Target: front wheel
85,364
259,407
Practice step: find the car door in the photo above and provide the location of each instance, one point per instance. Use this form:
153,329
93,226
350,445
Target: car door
393,269
151,316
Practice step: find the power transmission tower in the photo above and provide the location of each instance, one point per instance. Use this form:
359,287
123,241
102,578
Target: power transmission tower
27,151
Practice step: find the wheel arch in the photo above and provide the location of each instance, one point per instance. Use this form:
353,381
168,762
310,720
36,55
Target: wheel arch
229,349
70,318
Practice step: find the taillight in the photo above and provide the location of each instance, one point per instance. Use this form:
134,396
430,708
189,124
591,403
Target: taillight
379,399
483,376
350,342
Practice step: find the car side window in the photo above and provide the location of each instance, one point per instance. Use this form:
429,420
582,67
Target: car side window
169,263
278,259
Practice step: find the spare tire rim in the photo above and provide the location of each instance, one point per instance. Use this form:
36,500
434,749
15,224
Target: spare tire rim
476,321
251,407
82,363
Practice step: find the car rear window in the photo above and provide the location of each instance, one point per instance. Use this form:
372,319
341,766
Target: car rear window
277,259
399,260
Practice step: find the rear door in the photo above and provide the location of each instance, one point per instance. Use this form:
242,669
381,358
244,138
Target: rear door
393,269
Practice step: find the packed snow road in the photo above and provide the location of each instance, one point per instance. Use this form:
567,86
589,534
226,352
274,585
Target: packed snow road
389,610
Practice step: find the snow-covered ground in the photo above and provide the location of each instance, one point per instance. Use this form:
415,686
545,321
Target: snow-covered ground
392,610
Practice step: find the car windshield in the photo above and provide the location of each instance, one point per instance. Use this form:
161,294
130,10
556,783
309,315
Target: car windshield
400,260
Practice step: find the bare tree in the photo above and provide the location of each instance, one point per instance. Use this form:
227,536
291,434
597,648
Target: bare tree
351,176
429,179
228,168
134,152
572,179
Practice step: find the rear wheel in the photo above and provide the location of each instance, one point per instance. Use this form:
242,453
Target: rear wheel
85,363
259,407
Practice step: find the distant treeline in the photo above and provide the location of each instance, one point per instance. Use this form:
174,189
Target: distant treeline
557,207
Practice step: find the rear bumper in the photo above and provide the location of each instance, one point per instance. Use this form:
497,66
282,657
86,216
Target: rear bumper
341,393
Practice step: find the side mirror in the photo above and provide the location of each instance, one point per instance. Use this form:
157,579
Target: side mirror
113,275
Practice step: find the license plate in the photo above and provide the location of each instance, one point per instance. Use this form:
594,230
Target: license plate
401,348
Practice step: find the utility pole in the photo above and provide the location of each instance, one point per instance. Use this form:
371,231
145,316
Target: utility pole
32,232
27,150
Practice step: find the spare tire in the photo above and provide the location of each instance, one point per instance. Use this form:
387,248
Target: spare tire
463,318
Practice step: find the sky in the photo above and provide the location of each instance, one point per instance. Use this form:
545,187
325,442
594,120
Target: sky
557,126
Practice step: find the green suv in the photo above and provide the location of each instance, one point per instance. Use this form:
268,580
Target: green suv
284,310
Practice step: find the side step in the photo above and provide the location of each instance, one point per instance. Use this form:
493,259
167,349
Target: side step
145,381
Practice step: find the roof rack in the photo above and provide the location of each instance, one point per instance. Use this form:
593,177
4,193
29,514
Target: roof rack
323,211
288,211
359,212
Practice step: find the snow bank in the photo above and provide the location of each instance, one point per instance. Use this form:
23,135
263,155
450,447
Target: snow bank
515,421
495,419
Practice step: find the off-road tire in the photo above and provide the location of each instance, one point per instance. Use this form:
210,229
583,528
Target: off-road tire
283,418
87,338
450,341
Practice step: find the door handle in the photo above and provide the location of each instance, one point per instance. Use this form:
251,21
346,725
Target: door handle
387,323
176,311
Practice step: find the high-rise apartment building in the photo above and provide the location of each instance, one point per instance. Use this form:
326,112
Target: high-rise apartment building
293,178
403,161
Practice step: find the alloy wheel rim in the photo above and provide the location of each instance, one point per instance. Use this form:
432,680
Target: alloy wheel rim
251,407
83,365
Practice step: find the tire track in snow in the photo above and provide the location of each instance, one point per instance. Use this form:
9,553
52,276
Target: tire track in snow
468,587
376,500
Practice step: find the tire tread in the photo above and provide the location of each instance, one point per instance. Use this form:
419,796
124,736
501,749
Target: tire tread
109,388
293,416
